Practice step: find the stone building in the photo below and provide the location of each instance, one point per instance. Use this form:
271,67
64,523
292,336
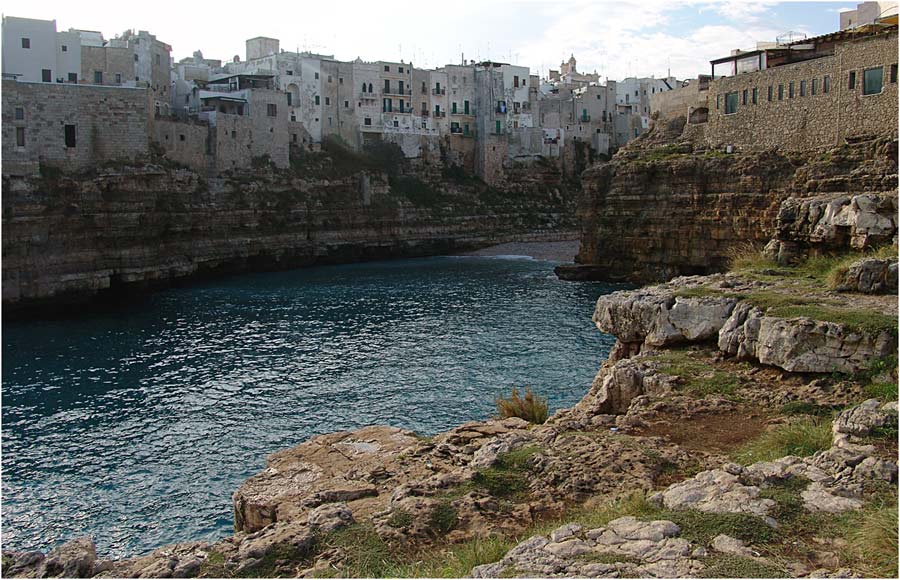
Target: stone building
34,51
845,88
72,126
688,100
866,13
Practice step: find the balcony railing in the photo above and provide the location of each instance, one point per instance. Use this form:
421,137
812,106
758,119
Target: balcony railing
470,113
424,113
440,114
584,118
398,111
440,91
398,92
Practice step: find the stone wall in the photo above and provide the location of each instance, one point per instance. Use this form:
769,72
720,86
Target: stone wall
110,61
679,102
810,121
110,124
184,142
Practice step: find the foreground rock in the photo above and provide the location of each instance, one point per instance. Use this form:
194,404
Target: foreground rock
870,276
720,308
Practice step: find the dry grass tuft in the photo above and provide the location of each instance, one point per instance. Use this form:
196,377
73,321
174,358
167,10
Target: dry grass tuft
531,407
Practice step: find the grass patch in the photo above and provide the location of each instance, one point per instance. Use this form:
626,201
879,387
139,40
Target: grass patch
728,566
531,407
697,377
606,558
400,519
213,566
278,561
444,517
800,437
807,408
883,391
698,292
790,306
873,539
367,554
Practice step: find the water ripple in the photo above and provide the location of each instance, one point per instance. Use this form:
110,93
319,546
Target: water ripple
136,425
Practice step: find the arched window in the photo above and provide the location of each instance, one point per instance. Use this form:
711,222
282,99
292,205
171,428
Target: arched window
364,87
370,88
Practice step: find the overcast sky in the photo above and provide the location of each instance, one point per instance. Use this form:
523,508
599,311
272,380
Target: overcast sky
617,39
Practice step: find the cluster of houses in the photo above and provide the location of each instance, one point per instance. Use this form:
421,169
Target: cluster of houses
72,99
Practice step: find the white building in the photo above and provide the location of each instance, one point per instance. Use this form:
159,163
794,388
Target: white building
866,13
29,50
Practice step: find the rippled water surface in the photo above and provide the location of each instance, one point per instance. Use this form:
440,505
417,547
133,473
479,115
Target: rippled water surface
137,423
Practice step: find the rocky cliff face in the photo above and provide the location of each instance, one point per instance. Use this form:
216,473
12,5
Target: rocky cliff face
72,237
662,208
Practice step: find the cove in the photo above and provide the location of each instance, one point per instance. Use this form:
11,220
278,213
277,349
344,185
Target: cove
136,423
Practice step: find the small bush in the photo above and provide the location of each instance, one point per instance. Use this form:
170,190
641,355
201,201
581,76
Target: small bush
749,256
444,517
531,407
802,437
399,519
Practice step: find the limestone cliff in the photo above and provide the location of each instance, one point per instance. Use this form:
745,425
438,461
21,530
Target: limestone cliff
662,208
72,237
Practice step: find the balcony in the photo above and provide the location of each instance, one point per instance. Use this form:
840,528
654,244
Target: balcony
585,118
398,111
438,91
424,113
440,114
398,92
471,113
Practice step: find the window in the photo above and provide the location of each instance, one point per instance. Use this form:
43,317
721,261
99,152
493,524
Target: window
26,43
290,73
329,78
327,100
770,93
516,81
346,104
497,127
718,100
135,58
396,123
234,134
755,95
20,136
400,69
46,75
340,80
73,77
290,98
181,137
317,99
814,86
791,90
70,136
873,79
367,121
851,83
98,77
158,60
453,108
894,73
826,84
118,78
744,97
387,68
317,76
731,103
802,88
780,92
329,121
271,109
64,48
20,114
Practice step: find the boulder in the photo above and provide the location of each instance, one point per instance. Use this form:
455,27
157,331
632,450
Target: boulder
870,276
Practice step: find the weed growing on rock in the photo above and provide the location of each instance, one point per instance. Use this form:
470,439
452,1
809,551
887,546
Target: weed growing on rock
697,377
531,407
444,517
800,437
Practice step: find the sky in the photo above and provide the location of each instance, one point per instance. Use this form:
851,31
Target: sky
615,39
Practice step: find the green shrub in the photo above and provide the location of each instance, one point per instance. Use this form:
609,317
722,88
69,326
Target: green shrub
531,407
874,540
725,566
800,437
443,517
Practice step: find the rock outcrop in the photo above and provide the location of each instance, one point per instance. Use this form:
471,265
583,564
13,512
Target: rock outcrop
870,276
661,209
